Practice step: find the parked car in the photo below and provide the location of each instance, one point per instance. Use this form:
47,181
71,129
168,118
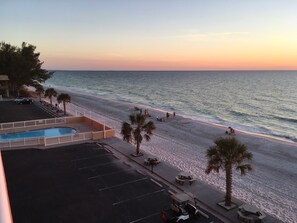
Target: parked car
171,215
18,99
180,209
25,101
191,209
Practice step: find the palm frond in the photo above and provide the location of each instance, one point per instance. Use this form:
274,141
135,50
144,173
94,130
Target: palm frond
228,151
244,168
126,132
147,137
137,129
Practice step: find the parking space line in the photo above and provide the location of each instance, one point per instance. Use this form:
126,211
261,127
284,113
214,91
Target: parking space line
98,165
140,196
148,216
90,157
140,172
106,174
118,185
156,182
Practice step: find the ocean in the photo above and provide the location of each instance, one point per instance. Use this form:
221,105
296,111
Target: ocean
262,102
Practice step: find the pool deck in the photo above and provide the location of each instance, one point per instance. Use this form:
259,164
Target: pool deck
12,112
87,129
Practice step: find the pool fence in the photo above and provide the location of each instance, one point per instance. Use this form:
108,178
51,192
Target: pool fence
101,131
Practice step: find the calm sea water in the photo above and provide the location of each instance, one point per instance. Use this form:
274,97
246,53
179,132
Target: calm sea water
255,101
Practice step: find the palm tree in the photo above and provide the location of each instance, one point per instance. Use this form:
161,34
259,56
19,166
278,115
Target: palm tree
223,155
64,98
50,92
132,132
39,91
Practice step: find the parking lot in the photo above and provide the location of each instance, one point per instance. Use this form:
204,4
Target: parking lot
81,183
13,112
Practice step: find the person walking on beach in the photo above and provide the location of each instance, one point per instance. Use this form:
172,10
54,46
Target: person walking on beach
173,114
232,131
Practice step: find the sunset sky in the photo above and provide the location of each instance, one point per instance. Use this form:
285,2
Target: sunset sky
155,34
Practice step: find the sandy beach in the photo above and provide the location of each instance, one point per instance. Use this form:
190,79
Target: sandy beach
182,142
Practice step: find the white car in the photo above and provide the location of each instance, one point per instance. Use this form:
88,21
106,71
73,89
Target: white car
18,99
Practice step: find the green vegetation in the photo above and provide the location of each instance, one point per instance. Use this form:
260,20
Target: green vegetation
223,155
22,66
64,98
39,91
50,92
133,131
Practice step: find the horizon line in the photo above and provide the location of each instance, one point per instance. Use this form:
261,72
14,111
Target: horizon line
153,70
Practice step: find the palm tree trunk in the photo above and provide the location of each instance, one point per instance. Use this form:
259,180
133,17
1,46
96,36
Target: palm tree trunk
64,104
137,147
228,185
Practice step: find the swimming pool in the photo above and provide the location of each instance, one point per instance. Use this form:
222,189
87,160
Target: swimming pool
51,132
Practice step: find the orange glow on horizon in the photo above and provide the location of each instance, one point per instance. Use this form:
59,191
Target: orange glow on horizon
209,52
203,64
220,53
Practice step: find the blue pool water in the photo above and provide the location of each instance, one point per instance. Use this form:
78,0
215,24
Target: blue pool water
37,133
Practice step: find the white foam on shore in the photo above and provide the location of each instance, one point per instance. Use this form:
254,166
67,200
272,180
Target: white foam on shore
202,120
272,184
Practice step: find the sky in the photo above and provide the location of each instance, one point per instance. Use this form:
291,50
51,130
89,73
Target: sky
155,34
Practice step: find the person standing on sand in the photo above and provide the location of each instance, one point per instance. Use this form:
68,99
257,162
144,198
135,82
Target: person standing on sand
173,114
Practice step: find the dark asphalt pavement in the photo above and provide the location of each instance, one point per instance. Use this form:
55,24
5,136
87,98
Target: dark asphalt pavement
80,183
12,112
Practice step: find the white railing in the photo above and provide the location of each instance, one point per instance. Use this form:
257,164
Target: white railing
22,142
55,140
68,138
76,110
5,211
72,108
32,123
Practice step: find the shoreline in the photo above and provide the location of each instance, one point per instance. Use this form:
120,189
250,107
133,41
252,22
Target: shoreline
201,119
253,134
161,111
